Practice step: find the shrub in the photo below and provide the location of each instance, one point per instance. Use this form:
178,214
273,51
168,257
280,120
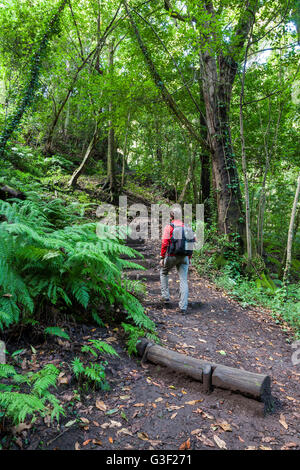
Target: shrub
93,374
25,395
41,265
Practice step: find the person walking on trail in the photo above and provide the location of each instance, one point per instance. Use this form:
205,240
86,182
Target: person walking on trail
175,252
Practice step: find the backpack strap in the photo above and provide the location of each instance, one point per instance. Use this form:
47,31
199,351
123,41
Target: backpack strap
168,250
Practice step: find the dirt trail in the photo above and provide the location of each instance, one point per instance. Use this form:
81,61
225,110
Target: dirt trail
151,407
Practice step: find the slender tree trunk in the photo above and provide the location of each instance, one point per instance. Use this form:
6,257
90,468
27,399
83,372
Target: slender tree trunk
290,234
79,170
111,171
244,158
49,140
188,179
205,162
268,152
124,160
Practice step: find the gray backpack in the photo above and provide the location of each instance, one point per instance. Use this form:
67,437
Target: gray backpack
182,241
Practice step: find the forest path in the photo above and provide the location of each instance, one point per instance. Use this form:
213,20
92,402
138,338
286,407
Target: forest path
152,407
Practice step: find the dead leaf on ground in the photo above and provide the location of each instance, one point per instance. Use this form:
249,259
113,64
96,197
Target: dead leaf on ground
205,415
84,420
185,445
85,443
97,442
268,439
70,423
288,445
111,339
124,431
196,431
20,427
193,402
220,443
205,440
224,425
62,379
101,405
114,424
143,435
174,407
154,443
283,421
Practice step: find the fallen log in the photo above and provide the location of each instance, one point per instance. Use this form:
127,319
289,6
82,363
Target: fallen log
7,192
250,384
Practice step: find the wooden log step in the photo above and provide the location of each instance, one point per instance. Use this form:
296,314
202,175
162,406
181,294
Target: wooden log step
250,384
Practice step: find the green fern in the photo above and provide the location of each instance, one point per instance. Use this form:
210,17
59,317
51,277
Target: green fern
133,335
92,375
55,330
41,264
101,347
18,405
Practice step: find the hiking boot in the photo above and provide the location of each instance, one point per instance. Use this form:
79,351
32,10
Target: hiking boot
183,311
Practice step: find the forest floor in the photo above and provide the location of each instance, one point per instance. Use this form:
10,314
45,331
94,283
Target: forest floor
150,406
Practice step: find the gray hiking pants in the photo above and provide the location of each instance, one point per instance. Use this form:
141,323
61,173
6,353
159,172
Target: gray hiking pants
182,266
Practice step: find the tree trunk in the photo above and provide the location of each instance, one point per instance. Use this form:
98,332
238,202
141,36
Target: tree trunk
124,161
244,158
290,234
188,179
79,170
111,171
217,96
205,184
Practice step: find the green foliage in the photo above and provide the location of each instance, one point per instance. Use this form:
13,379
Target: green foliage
217,252
284,306
56,331
28,395
31,160
133,334
41,265
99,347
93,374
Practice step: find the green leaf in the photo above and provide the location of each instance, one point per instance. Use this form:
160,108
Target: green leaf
56,331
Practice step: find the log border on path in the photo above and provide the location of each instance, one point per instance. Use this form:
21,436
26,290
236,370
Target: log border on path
250,384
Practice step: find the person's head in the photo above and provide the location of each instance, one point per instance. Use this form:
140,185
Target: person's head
175,214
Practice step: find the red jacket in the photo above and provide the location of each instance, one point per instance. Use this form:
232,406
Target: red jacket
168,230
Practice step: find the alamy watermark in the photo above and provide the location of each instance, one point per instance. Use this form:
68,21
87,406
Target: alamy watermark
137,222
2,352
296,354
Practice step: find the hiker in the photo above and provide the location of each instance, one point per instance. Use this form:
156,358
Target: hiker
174,253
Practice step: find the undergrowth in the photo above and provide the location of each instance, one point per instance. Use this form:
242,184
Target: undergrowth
253,284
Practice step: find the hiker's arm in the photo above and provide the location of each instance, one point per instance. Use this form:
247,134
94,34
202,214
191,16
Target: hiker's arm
165,241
